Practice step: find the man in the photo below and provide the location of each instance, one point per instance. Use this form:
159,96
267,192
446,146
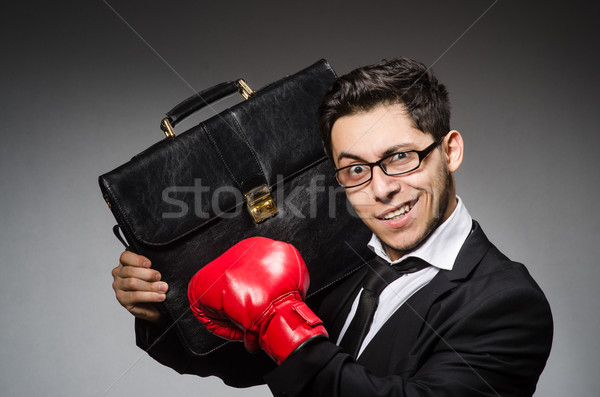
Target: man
463,321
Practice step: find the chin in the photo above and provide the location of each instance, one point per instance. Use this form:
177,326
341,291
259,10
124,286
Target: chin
410,240
405,246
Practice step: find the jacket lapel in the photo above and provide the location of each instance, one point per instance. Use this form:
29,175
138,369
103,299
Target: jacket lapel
469,256
402,329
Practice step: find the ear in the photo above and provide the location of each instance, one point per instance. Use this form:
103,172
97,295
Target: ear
453,147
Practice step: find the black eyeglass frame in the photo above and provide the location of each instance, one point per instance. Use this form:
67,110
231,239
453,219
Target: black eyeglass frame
421,153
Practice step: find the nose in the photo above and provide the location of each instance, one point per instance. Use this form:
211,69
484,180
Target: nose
384,187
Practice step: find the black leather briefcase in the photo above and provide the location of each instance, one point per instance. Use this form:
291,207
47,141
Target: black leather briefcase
255,169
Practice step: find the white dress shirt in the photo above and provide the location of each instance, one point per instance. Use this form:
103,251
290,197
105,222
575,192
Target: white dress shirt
440,250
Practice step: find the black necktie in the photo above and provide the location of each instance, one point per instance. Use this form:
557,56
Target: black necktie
379,275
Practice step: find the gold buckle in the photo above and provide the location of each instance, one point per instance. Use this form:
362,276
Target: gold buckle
260,203
169,132
245,89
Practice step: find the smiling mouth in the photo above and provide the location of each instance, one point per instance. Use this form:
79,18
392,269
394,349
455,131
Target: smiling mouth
399,212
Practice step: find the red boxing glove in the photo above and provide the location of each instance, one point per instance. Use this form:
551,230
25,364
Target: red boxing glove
254,292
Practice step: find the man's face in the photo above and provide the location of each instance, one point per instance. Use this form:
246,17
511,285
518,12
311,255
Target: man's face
401,210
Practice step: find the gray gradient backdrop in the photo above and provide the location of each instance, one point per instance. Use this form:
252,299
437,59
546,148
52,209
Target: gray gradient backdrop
81,94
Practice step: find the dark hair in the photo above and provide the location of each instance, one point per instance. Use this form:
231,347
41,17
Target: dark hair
400,80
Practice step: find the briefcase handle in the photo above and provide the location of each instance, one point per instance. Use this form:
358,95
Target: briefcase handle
201,100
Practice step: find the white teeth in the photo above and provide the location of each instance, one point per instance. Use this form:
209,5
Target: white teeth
399,212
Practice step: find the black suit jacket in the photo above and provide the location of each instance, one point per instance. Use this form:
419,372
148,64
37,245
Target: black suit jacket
482,329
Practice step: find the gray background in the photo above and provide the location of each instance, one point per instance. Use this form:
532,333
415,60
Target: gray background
81,93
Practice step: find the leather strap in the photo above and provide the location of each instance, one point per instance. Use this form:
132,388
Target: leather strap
199,101
238,156
119,234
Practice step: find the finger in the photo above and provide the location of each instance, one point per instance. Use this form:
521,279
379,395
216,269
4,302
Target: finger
129,258
149,275
136,284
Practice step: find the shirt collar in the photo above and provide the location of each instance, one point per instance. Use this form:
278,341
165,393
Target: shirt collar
442,246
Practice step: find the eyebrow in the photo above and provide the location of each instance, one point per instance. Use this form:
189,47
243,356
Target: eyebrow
391,150
347,155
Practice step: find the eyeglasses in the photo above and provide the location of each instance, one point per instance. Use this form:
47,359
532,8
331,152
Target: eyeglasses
395,164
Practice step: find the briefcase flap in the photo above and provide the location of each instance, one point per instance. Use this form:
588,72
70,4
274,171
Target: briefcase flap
182,184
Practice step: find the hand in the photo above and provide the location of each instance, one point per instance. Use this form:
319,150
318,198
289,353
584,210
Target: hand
254,292
137,286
